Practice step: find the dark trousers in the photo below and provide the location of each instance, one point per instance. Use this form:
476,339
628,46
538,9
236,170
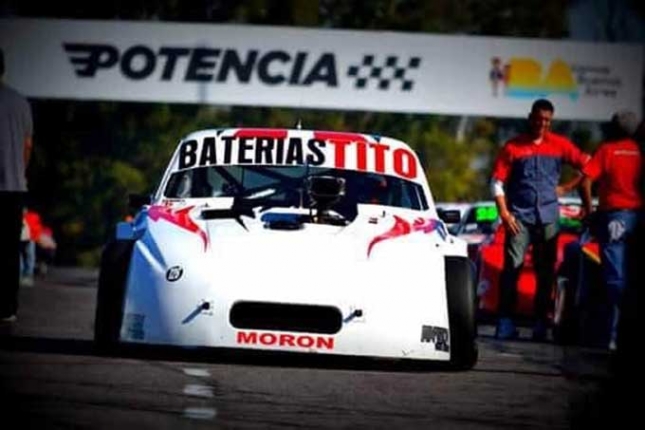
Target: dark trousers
631,315
11,206
544,240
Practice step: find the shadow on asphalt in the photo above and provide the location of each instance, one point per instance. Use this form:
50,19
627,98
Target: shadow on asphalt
529,351
213,355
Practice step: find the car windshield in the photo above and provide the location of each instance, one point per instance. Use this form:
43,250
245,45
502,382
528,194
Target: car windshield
285,186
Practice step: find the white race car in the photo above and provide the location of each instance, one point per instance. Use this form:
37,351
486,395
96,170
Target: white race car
291,240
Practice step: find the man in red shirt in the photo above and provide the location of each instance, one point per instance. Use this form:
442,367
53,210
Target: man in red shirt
525,186
616,166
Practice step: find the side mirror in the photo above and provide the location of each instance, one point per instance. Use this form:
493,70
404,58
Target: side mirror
449,216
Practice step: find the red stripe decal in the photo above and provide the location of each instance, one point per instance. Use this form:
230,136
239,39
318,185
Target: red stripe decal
337,135
274,133
402,227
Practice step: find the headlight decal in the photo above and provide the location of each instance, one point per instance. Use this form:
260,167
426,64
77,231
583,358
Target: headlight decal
180,218
403,227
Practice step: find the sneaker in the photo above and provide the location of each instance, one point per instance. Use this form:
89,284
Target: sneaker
10,319
539,332
506,329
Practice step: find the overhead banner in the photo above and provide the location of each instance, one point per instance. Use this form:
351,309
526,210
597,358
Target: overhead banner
318,69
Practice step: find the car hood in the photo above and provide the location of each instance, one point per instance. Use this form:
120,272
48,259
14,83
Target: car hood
186,231
315,263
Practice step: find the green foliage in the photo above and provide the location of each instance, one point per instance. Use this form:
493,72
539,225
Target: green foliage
450,166
528,18
89,156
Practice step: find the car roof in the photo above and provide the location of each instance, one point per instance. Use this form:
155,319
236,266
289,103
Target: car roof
285,147
284,132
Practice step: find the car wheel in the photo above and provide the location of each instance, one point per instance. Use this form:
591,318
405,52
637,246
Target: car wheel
460,286
115,261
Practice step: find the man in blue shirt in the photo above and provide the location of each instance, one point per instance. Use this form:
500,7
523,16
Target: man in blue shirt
525,186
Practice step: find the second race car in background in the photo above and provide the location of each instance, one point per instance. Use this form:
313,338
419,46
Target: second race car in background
477,225
452,214
582,311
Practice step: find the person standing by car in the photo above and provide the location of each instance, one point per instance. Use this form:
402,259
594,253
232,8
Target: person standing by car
616,167
28,247
525,187
16,129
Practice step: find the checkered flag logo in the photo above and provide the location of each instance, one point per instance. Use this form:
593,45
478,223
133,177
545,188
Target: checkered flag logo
390,73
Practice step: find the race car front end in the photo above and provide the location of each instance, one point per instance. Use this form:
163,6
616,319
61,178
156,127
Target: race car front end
299,241
320,289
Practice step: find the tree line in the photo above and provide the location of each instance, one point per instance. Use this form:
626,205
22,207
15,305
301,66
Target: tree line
89,156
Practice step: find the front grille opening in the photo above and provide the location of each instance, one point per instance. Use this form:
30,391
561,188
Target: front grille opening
286,317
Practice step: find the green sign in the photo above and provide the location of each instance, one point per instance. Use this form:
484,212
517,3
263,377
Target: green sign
486,213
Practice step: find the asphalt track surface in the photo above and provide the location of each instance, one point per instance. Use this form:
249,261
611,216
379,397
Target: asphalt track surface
51,376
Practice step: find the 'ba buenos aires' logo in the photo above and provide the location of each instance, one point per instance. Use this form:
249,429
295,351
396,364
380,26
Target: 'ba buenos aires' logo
220,65
527,78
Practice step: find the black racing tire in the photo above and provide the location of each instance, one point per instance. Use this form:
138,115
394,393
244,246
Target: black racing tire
115,261
462,297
